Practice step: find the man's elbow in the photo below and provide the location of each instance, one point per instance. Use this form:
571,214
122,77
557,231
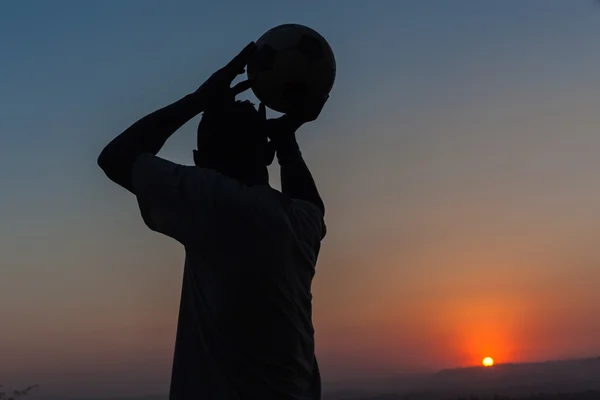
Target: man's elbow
108,165
115,169
103,161
108,168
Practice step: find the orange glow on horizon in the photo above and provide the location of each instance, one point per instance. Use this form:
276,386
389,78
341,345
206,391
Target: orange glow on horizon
487,361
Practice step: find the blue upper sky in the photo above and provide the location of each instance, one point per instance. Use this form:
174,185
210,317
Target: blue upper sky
457,132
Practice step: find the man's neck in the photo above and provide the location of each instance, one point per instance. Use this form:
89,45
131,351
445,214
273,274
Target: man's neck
247,177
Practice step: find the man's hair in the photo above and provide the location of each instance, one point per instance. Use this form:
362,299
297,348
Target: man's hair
235,125
233,137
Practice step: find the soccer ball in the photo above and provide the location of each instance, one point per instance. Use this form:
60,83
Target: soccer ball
290,60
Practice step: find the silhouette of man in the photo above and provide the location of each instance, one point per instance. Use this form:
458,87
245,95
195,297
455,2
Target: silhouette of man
245,320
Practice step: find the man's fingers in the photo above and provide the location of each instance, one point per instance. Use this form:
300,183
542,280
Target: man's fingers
241,87
262,111
237,65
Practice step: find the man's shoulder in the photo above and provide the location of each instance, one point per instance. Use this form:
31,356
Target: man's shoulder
307,208
307,217
149,168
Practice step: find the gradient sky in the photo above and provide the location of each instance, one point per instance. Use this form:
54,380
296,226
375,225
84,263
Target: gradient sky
458,158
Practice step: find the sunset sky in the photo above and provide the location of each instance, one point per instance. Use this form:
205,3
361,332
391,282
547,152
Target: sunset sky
458,158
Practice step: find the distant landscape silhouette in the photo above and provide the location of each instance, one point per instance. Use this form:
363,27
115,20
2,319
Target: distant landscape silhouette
560,379
575,379
15,394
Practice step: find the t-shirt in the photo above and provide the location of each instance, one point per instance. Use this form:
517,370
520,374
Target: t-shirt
245,318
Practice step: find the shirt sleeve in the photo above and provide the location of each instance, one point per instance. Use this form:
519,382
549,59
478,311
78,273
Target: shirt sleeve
183,201
313,221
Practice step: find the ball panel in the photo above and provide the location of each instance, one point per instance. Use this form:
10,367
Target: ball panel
264,59
291,65
322,76
285,36
267,89
311,48
328,58
327,52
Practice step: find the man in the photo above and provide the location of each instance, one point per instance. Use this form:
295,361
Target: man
245,320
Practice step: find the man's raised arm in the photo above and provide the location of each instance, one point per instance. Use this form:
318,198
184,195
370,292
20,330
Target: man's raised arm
296,179
148,135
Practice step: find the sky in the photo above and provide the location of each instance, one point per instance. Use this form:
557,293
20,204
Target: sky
457,156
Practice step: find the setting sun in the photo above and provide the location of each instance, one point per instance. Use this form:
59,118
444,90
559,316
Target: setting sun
488,362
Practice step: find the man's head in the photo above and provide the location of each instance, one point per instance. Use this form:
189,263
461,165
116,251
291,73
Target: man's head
232,140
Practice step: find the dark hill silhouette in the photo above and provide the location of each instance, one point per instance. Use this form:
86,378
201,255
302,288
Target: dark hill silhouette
504,380
549,376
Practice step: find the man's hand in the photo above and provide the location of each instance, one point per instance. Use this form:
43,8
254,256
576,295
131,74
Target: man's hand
296,179
217,90
305,110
